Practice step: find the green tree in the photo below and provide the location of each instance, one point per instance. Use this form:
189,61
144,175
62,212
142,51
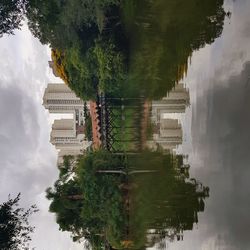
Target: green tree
11,15
67,200
88,203
74,29
14,225
103,209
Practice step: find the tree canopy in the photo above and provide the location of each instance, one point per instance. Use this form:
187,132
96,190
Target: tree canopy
14,225
11,15
89,204
82,34
118,47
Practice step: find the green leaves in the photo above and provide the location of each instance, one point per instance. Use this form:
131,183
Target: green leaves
11,15
14,225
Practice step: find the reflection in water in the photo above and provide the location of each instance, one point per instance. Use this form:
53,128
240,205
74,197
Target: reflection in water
135,192
165,203
163,35
167,133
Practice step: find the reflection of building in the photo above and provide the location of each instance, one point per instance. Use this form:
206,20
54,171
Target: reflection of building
59,98
176,102
67,135
167,132
167,135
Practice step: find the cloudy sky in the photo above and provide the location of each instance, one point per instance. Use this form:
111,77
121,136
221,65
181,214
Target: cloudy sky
28,160
218,136
216,127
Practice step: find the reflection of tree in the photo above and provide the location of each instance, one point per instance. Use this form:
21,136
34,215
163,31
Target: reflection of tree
163,34
133,201
165,203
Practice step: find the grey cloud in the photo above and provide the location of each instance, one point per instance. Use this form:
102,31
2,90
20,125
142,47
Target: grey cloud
246,30
27,159
224,144
19,124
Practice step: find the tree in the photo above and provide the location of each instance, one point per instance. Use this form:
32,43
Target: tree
14,225
11,15
83,35
163,35
90,204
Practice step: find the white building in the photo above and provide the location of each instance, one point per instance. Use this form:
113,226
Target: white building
65,137
59,98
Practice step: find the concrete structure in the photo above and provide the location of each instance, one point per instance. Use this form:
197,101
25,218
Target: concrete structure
67,135
63,128
59,98
175,102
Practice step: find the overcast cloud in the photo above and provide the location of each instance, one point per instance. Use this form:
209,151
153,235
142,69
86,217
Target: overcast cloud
219,121
28,160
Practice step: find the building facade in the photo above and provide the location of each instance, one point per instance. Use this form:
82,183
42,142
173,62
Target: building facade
67,135
59,98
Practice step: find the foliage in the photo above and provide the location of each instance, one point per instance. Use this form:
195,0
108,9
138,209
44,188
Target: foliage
129,47
74,30
94,200
110,65
166,201
163,35
81,70
14,225
88,123
89,204
66,203
103,210
67,166
59,64
11,15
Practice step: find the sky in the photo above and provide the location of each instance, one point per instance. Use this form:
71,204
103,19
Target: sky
28,160
216,128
